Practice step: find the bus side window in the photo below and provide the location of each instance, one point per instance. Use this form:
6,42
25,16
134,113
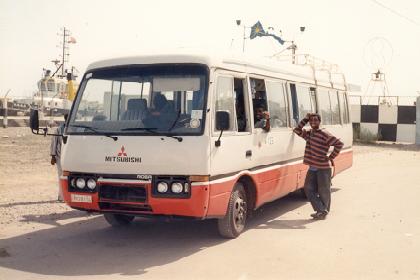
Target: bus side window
335,108
277,104
324,106
259,97
225,99
295,105
241,112
344,113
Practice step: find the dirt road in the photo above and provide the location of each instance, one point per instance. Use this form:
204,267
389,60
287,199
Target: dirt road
373,231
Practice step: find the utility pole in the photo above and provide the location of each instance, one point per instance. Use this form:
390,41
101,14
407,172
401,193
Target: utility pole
5,109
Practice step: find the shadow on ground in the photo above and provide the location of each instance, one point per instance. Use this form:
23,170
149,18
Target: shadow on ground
92,247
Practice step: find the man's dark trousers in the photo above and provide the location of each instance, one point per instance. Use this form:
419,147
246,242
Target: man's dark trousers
318,189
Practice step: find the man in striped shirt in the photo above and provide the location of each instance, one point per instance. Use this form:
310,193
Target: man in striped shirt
318,179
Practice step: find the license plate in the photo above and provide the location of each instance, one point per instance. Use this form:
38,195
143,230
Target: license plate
81,198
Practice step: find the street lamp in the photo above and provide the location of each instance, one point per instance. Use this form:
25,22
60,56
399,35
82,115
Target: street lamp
238,23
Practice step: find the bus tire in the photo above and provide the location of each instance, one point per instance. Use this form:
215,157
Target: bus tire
118,220
233,223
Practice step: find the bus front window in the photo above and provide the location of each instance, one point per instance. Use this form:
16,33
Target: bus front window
127,100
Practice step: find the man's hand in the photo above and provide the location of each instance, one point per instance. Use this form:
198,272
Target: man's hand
308,115
53,160
266,115
333,165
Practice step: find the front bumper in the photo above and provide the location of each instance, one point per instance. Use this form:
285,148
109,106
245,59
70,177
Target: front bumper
195,206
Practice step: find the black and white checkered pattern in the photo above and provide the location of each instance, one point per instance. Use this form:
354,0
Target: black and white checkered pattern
387,122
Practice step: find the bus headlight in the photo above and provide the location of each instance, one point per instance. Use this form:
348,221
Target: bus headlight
91,184
176,187
162,187
80,183
73,182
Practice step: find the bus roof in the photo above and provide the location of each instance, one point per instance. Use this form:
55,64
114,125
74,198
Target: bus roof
257,66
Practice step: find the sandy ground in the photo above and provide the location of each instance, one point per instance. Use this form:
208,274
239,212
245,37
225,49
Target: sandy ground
373,231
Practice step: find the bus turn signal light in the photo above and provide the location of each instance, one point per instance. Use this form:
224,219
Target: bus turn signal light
199,178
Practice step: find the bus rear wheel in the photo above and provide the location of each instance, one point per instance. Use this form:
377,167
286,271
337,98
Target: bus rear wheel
234,221
118,220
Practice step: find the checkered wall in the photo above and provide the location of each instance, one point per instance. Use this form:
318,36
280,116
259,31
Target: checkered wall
387,122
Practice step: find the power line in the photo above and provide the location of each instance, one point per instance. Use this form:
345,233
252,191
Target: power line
395,12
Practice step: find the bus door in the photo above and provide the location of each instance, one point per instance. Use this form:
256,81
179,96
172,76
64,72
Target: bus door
273,146
235,150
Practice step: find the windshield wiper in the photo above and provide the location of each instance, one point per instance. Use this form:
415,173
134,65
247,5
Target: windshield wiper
175,121
95,130
153,131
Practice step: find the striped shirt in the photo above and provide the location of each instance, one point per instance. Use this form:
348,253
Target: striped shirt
318,142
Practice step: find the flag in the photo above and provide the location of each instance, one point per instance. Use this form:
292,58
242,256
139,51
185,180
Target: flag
257,30
280,40
72,40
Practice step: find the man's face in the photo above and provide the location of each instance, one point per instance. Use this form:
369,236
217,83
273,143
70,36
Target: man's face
314,122
259,113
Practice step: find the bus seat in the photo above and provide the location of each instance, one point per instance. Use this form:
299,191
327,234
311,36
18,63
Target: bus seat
136,109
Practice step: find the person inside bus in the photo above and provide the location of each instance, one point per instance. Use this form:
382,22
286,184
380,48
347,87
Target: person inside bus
161,114
317,185
262,118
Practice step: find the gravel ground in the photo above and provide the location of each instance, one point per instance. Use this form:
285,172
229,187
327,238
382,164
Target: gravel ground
28,182
373,231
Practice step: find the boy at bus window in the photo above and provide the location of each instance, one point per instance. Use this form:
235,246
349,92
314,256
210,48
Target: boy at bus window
262,119
55,152
317,185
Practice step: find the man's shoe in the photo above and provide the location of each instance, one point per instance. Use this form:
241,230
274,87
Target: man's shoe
321,215
313,215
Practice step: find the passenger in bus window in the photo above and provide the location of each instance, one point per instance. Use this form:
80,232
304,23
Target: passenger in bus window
318,179
262,118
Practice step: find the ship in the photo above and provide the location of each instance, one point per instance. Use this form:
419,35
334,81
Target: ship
56,90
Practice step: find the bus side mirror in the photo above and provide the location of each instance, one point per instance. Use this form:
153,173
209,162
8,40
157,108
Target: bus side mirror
222,123
222,120
34,120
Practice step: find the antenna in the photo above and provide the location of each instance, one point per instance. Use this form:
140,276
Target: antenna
65,51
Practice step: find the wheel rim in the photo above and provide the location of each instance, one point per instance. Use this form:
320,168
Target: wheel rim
239,213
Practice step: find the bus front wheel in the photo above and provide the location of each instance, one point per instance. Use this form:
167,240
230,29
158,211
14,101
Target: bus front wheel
118,220
234,222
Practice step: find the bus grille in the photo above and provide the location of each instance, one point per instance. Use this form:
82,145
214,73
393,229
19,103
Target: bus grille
110,193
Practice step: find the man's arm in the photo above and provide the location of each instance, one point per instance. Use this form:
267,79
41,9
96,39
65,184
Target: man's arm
338,145
299,129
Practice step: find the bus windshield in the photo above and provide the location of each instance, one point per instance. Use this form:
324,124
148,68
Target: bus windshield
140,100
